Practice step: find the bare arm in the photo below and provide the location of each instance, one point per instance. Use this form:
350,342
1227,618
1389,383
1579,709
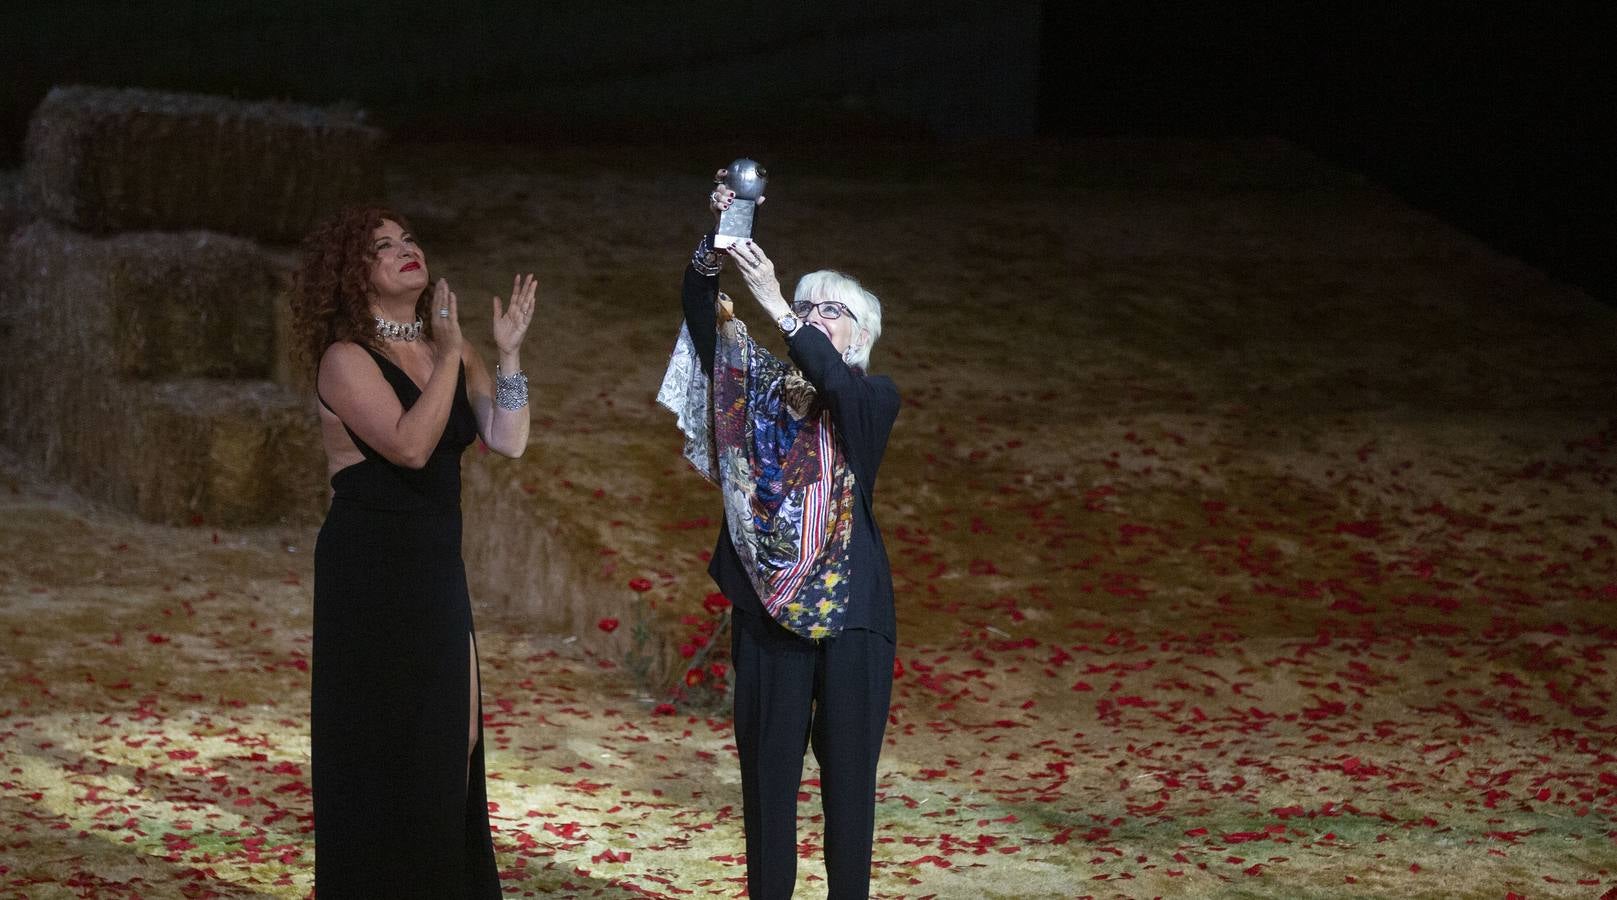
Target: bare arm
505,431
354,388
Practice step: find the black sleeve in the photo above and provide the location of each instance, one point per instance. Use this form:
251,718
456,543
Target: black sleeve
863,407
699,294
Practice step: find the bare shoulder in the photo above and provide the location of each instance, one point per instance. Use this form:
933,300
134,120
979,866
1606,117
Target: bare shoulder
345,361
342,355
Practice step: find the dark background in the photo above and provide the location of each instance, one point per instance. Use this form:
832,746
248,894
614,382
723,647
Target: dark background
1492,116
1496,117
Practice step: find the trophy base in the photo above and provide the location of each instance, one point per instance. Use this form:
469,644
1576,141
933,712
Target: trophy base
735,224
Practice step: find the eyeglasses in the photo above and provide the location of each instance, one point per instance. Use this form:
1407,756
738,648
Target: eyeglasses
829,309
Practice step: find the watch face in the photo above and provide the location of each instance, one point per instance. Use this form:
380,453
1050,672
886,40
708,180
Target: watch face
788,323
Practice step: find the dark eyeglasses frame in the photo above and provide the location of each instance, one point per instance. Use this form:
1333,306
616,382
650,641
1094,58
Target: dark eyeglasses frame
829,309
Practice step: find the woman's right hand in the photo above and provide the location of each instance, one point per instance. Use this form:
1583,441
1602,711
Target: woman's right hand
446,337
722,196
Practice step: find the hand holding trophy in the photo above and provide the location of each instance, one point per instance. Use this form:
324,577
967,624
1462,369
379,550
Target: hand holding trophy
742,184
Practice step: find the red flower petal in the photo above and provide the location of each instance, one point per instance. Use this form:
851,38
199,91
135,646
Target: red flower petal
715,603
611,856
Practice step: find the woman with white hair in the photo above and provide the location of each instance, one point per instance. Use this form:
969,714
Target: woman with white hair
795,452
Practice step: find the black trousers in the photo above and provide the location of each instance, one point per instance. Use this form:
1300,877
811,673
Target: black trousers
788,692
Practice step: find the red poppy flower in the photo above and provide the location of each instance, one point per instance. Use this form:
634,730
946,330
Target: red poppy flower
640,585
715,603
718,670
607,625
693,677
898,667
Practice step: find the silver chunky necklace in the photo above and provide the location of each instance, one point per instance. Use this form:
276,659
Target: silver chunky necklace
389,330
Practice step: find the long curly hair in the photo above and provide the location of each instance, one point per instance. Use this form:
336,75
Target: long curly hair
331,290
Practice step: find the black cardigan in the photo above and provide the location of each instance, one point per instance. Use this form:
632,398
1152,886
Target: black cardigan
863,408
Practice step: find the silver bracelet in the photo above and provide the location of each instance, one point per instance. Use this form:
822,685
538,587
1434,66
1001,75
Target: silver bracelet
510,391
705,260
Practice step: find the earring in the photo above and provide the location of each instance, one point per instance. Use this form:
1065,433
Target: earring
847,355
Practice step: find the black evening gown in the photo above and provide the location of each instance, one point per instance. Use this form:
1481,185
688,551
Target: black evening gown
397,813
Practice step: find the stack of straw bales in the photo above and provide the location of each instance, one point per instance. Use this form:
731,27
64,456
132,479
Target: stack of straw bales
147,358
105,160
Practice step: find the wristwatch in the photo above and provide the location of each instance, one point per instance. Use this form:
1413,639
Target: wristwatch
789,324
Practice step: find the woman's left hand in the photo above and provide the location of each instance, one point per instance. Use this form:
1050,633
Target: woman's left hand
759,273
511,324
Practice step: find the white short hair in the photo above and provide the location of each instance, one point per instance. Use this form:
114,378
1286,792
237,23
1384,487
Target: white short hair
828,285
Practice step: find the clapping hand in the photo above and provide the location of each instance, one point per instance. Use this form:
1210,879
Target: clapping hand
446,336
511,324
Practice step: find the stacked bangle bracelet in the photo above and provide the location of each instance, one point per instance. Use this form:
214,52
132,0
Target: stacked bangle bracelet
705,260
510,391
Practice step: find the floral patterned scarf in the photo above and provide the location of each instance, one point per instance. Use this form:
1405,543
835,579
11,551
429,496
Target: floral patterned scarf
788,490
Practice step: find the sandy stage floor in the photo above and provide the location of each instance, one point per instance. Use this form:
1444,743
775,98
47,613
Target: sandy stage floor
1253,536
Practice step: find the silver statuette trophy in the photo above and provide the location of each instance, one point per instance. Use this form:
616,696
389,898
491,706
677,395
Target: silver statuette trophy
747,179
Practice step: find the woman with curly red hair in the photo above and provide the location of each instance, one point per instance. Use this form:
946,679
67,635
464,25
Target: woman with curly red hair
399,804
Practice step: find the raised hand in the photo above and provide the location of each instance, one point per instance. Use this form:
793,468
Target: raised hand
722,196
511,324
446,337
759,273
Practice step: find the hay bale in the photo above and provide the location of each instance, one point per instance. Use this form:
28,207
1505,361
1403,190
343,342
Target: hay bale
518,560
286,368
155,305
55,380
223,452
122,159
76,400
191,304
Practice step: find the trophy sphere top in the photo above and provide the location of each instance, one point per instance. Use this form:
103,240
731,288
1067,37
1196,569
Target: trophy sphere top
747,179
